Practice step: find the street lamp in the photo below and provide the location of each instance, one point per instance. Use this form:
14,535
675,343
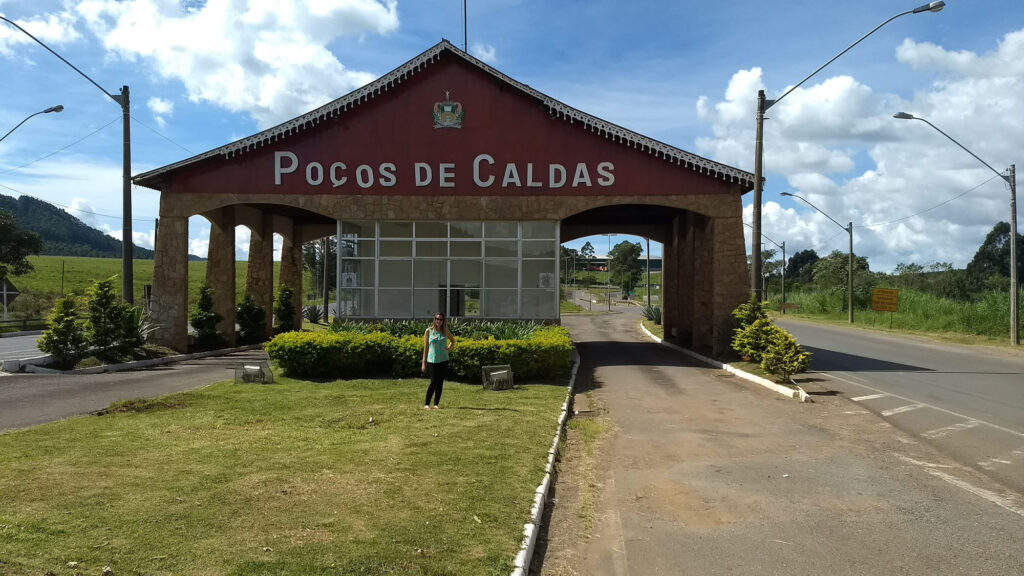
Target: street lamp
127,275
783,247
608,266
849,229
57,108
1011,178
763,105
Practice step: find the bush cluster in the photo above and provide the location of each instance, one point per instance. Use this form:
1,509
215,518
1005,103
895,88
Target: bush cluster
343,355
759,340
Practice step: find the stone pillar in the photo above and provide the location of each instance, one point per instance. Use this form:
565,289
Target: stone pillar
731,279
670,282
685,292
259,278
703,282
170,283
220,269
291,269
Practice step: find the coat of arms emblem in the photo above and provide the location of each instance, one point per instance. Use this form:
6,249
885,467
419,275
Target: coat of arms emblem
448,114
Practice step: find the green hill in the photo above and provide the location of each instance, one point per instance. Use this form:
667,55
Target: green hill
62,233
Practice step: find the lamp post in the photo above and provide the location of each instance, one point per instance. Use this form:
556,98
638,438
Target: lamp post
57,108
849,273
1011,178
763,105
608,265
127,275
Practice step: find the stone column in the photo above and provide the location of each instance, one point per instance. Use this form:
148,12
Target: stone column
685,292
731,279
703,282
259,278
291,269
220,269
170,283
670,282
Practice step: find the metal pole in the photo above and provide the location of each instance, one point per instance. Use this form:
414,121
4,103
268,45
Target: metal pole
755,237
783,277
648,271
327,308
849,283
1014,287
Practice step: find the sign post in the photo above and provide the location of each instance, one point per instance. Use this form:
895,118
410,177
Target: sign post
9,293
885,300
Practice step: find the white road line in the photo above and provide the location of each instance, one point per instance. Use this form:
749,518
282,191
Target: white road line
957,414
991,463
868,397
986,494
902,409
944,431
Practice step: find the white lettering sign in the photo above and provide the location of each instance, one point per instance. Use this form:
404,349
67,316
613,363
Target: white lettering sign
486,172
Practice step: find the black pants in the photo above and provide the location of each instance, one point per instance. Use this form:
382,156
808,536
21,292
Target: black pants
437,373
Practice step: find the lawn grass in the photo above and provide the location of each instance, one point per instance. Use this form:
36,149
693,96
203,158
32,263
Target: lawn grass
348,477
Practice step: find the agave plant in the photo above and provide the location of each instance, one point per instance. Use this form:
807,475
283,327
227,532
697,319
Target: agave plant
313,313
652,313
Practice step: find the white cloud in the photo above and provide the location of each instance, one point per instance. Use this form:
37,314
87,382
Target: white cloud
485,52
57,29
161,108
269,60
835,143
81,209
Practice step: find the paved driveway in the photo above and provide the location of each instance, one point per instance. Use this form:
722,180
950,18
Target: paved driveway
708,474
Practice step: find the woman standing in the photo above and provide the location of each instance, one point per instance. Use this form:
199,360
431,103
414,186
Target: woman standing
437,342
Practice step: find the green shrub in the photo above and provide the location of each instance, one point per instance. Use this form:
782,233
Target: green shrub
105,320
313,313
204,321
750,312
65,338
751,340
329,355
252,321
783,356
652,313
284,309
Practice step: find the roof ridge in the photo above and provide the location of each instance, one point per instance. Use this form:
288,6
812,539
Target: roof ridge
555,107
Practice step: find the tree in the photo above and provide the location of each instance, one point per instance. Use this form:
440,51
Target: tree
252,320
105,321
284,309
65,337
204,321
587,253
16,245
313,260
569,257
800,268
992,260
625,264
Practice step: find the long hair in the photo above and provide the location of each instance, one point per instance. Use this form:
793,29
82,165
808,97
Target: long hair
444,323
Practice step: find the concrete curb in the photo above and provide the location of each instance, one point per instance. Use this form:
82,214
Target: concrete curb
32,364
786,391
530,530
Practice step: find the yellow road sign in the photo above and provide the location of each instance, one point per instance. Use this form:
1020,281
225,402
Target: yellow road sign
885,299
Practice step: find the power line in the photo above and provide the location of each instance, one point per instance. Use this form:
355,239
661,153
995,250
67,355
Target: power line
158,133
943,203
70,209
59,150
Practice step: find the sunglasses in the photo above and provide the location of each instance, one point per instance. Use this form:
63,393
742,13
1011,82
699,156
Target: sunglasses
438,318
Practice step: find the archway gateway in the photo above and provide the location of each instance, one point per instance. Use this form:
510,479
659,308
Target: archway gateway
450,187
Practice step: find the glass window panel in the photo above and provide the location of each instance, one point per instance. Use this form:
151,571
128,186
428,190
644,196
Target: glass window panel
500,274
395,273
396,229
431,229
360,228
543,229
426,303
430,273
357,273
431,248
395,248
539,248
353,248
466,229
501,229
464,302
501,248
356,302
539,274
539,304
394,303
466,273
501,303
465,249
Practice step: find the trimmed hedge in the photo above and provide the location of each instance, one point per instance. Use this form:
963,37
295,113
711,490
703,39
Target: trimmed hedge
324,355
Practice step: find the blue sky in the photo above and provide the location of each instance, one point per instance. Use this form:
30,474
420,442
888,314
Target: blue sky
685,72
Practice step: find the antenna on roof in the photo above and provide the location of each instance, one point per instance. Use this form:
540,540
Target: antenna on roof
465,37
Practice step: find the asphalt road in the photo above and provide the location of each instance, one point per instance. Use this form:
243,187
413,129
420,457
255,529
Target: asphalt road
14,347
704,473
31,399
966,400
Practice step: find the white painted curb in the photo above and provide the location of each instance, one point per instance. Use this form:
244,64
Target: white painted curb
779,388
530,530
30,364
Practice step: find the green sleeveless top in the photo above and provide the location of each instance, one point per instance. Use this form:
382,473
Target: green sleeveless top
437,350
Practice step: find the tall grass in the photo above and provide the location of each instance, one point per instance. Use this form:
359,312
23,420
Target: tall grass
917,311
